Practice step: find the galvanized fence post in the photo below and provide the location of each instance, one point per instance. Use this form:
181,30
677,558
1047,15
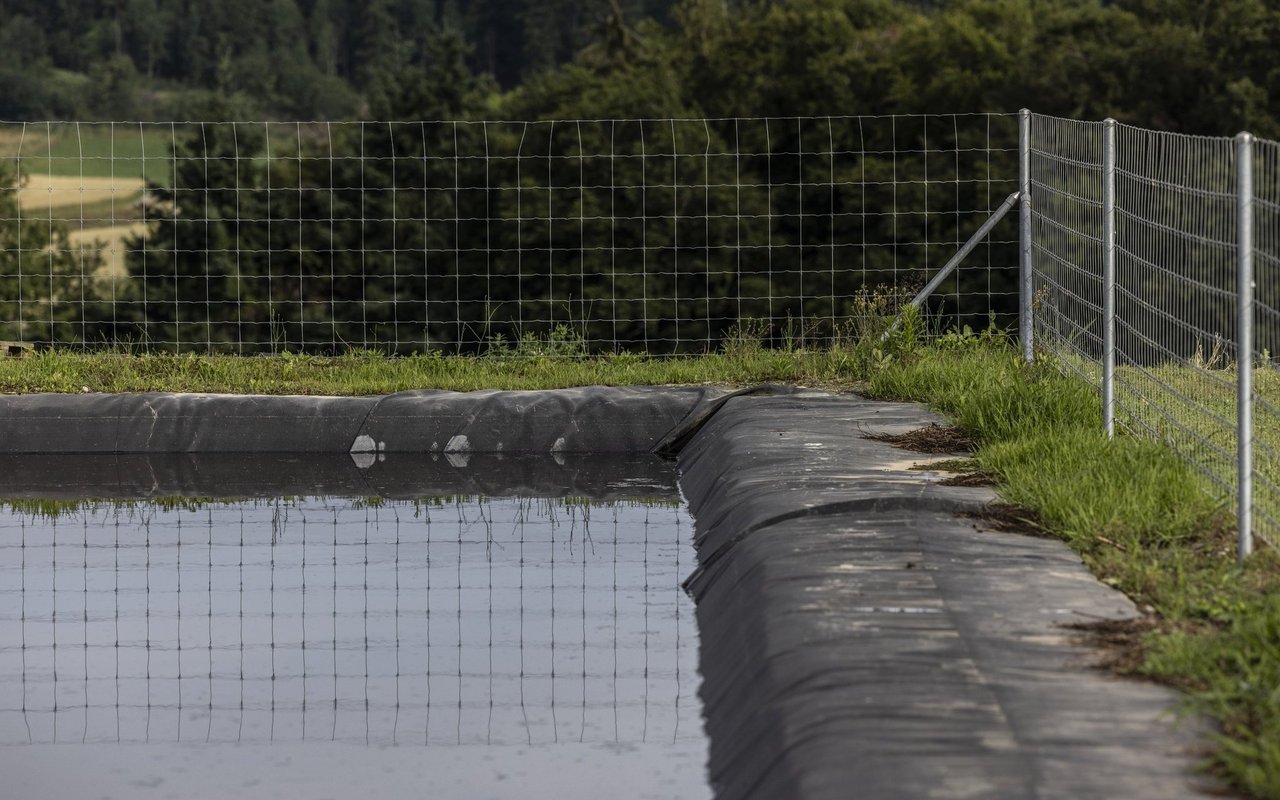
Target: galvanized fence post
1109,277
1026,284
1244,341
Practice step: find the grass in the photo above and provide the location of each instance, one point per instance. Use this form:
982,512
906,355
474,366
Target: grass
1142,518
369,373
1193,410
1190,406
91,149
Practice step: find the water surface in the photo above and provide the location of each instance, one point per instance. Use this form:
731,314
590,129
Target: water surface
313,647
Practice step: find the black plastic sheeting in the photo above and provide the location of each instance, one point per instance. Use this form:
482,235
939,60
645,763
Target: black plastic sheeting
584,420
859,639
398,476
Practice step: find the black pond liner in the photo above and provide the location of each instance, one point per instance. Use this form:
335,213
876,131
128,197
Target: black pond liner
815,685
600,442
594,419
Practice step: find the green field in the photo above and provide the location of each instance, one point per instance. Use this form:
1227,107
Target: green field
90,149
129,150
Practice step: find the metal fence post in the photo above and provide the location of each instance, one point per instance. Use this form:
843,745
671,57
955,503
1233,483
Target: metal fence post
1244,339
1109,277
1024,234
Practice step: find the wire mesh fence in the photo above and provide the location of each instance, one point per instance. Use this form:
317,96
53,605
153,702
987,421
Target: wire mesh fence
1171,363
659,236
654,236
1266,338
1066,239
469,621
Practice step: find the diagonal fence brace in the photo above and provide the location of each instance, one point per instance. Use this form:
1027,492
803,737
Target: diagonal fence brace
967,248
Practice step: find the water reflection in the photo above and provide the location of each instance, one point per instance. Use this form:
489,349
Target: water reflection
456,621
406,476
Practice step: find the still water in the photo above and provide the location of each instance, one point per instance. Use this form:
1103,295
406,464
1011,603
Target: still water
331,647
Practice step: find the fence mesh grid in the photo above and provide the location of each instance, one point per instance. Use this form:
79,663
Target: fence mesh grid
657,236
633,235
500,621
1266,337
1176,302
1066,240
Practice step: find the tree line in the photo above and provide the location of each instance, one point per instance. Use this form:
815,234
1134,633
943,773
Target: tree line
220,269
291,59
653,235
1183,65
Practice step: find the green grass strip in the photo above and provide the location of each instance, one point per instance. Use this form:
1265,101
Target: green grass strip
370,373
1143,520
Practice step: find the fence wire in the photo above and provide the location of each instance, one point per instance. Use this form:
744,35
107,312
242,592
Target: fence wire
1176,303
1066,240
655,236
490,621
1266,339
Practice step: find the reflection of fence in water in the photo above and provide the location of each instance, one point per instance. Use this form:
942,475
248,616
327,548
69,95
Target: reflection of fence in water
508,621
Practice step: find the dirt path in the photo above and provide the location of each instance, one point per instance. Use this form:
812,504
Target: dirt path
111,240
63,192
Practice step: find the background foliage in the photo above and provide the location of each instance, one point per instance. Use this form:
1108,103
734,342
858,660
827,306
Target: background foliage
1183,65
1187,65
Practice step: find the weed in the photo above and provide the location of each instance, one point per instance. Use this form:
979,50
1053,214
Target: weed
745,338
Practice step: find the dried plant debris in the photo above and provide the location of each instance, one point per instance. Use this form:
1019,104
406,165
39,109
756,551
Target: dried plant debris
1009,518
965,472
1121,642
948,465
929,439
978,478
